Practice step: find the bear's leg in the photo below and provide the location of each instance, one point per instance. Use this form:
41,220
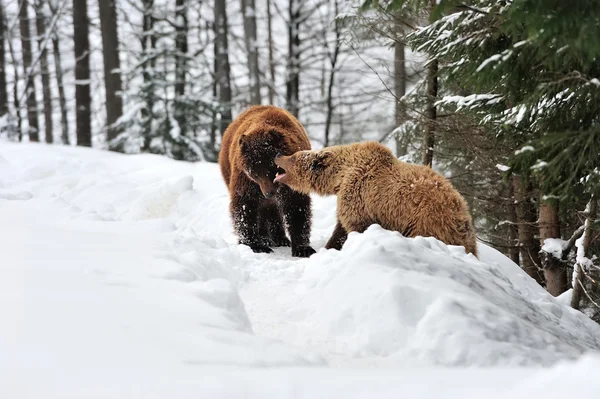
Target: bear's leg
296,211
244,212
338,237
271,225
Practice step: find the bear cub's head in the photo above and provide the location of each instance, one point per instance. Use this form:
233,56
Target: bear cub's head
309,171
258,154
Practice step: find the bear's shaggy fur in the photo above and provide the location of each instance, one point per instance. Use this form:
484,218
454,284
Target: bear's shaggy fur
373,186
259,207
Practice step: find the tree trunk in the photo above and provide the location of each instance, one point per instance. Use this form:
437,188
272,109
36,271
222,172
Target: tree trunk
41,33
430,109
82,73
526,219
3,91
249,14
271,56
148,42
32,114
215,92
181,45
430,113
62,100
16,101
399,81
555,273
513,233
222,72
293,66
333,63
112,65
587,238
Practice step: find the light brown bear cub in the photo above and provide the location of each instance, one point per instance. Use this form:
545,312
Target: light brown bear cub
373,186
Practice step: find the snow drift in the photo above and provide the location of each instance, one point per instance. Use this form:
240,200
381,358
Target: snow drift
126,267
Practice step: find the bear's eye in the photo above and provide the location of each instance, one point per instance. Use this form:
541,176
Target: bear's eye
317,165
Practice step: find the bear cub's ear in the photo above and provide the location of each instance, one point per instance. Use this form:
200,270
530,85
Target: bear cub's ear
319,162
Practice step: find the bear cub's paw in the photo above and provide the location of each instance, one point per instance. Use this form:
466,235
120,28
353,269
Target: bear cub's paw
302,251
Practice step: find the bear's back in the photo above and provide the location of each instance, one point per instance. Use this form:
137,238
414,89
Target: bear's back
420,201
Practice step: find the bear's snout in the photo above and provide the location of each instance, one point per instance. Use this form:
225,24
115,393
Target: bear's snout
268,188
284,162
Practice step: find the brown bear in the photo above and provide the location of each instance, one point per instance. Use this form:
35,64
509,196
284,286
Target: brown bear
259,206
373,186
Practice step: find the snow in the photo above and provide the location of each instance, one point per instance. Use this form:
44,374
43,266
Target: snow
524,149
502,168
554,246
470,101
120,276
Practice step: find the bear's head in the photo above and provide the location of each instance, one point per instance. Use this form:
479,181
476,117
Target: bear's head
309,171
258,153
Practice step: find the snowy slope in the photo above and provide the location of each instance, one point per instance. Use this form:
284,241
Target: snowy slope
120,277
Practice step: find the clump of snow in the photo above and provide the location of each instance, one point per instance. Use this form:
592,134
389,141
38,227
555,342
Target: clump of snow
554,247
121,270
524,149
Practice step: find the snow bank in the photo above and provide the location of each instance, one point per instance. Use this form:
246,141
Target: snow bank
407,301
125,269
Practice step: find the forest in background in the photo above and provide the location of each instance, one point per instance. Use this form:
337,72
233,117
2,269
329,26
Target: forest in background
499,96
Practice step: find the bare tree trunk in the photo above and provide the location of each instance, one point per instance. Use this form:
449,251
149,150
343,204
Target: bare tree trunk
249,13
32,114
526,219
293,67
333,63
148,42
82,73
16,101
215,91
513,233
555,273
181,44
587,238
41,33
271,50
399,80
223,72
62,100
112,65
3,91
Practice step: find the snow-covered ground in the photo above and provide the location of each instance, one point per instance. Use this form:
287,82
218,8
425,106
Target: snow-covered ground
120,277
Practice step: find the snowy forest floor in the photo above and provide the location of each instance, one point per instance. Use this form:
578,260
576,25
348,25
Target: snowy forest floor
120,277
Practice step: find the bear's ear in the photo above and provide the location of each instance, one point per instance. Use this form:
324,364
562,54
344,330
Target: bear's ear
275,136
319,162
243,143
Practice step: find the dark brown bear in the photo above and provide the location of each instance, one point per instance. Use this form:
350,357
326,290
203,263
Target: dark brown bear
259,207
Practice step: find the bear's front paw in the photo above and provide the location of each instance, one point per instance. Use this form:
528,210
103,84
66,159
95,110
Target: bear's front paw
281,242
303,251
258,247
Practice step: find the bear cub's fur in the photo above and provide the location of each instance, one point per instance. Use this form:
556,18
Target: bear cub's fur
260,208
373,186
